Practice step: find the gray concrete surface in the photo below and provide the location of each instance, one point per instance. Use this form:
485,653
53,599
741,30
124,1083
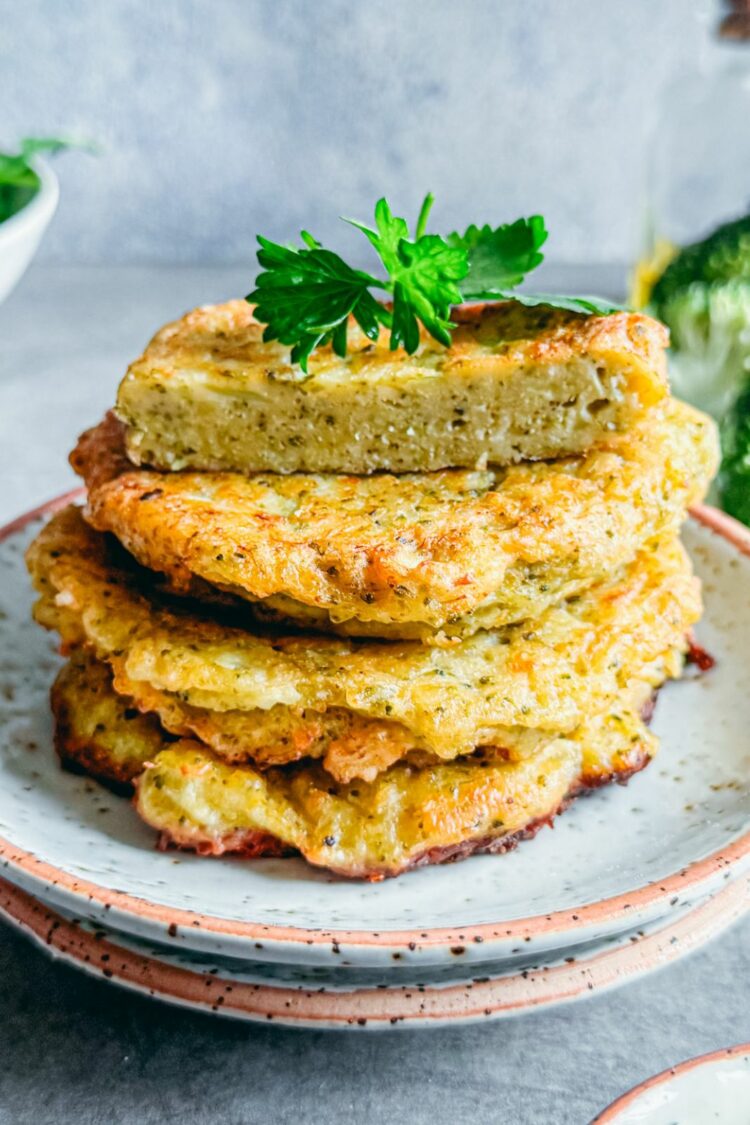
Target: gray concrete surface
79,1052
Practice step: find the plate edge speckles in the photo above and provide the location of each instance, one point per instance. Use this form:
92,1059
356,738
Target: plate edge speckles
98,953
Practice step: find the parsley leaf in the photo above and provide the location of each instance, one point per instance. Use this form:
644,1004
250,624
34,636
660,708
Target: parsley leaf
424,287
499,259
589,306
422,275
306,296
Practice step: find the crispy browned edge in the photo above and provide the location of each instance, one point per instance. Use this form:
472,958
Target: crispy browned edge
99,454
247,844
646,336
87,760
84,757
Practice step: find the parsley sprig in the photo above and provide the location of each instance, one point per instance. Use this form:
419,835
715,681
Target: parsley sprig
304,296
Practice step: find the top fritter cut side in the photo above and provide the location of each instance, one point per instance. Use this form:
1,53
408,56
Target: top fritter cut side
515,384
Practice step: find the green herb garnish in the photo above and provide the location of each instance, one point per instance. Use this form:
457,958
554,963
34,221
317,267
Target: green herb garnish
305,296
19,183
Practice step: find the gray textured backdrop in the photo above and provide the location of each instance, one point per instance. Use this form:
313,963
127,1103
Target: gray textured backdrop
223,117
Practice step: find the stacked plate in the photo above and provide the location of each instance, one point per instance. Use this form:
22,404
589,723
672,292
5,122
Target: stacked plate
313,680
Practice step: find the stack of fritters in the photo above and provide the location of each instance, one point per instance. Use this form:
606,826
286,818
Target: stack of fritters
350,615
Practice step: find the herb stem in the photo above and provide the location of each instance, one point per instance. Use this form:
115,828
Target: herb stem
424,214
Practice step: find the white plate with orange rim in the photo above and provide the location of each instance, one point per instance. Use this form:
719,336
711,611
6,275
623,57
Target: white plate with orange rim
616,861
326,998
713,1089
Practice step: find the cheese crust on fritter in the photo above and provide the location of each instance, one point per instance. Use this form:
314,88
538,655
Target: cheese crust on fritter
408,817
427,556
488,690
515,384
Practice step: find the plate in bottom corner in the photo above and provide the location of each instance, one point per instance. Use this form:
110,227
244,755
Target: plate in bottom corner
618,859
711,1088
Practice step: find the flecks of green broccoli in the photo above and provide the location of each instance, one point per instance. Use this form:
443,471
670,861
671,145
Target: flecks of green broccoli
734,479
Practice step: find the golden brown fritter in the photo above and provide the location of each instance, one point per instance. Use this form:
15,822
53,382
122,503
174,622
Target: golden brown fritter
515,384
408,817
97,731
492,689
426,556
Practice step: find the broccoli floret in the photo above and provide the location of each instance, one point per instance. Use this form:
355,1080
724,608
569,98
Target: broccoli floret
723,256
703,296
734,479
710,330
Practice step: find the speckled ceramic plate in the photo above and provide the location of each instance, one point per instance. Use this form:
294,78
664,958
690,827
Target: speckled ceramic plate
711,1090
326,997
617,860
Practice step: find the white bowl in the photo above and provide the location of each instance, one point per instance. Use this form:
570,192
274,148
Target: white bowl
21,234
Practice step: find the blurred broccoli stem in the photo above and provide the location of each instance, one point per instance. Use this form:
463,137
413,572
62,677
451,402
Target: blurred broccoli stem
703,296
